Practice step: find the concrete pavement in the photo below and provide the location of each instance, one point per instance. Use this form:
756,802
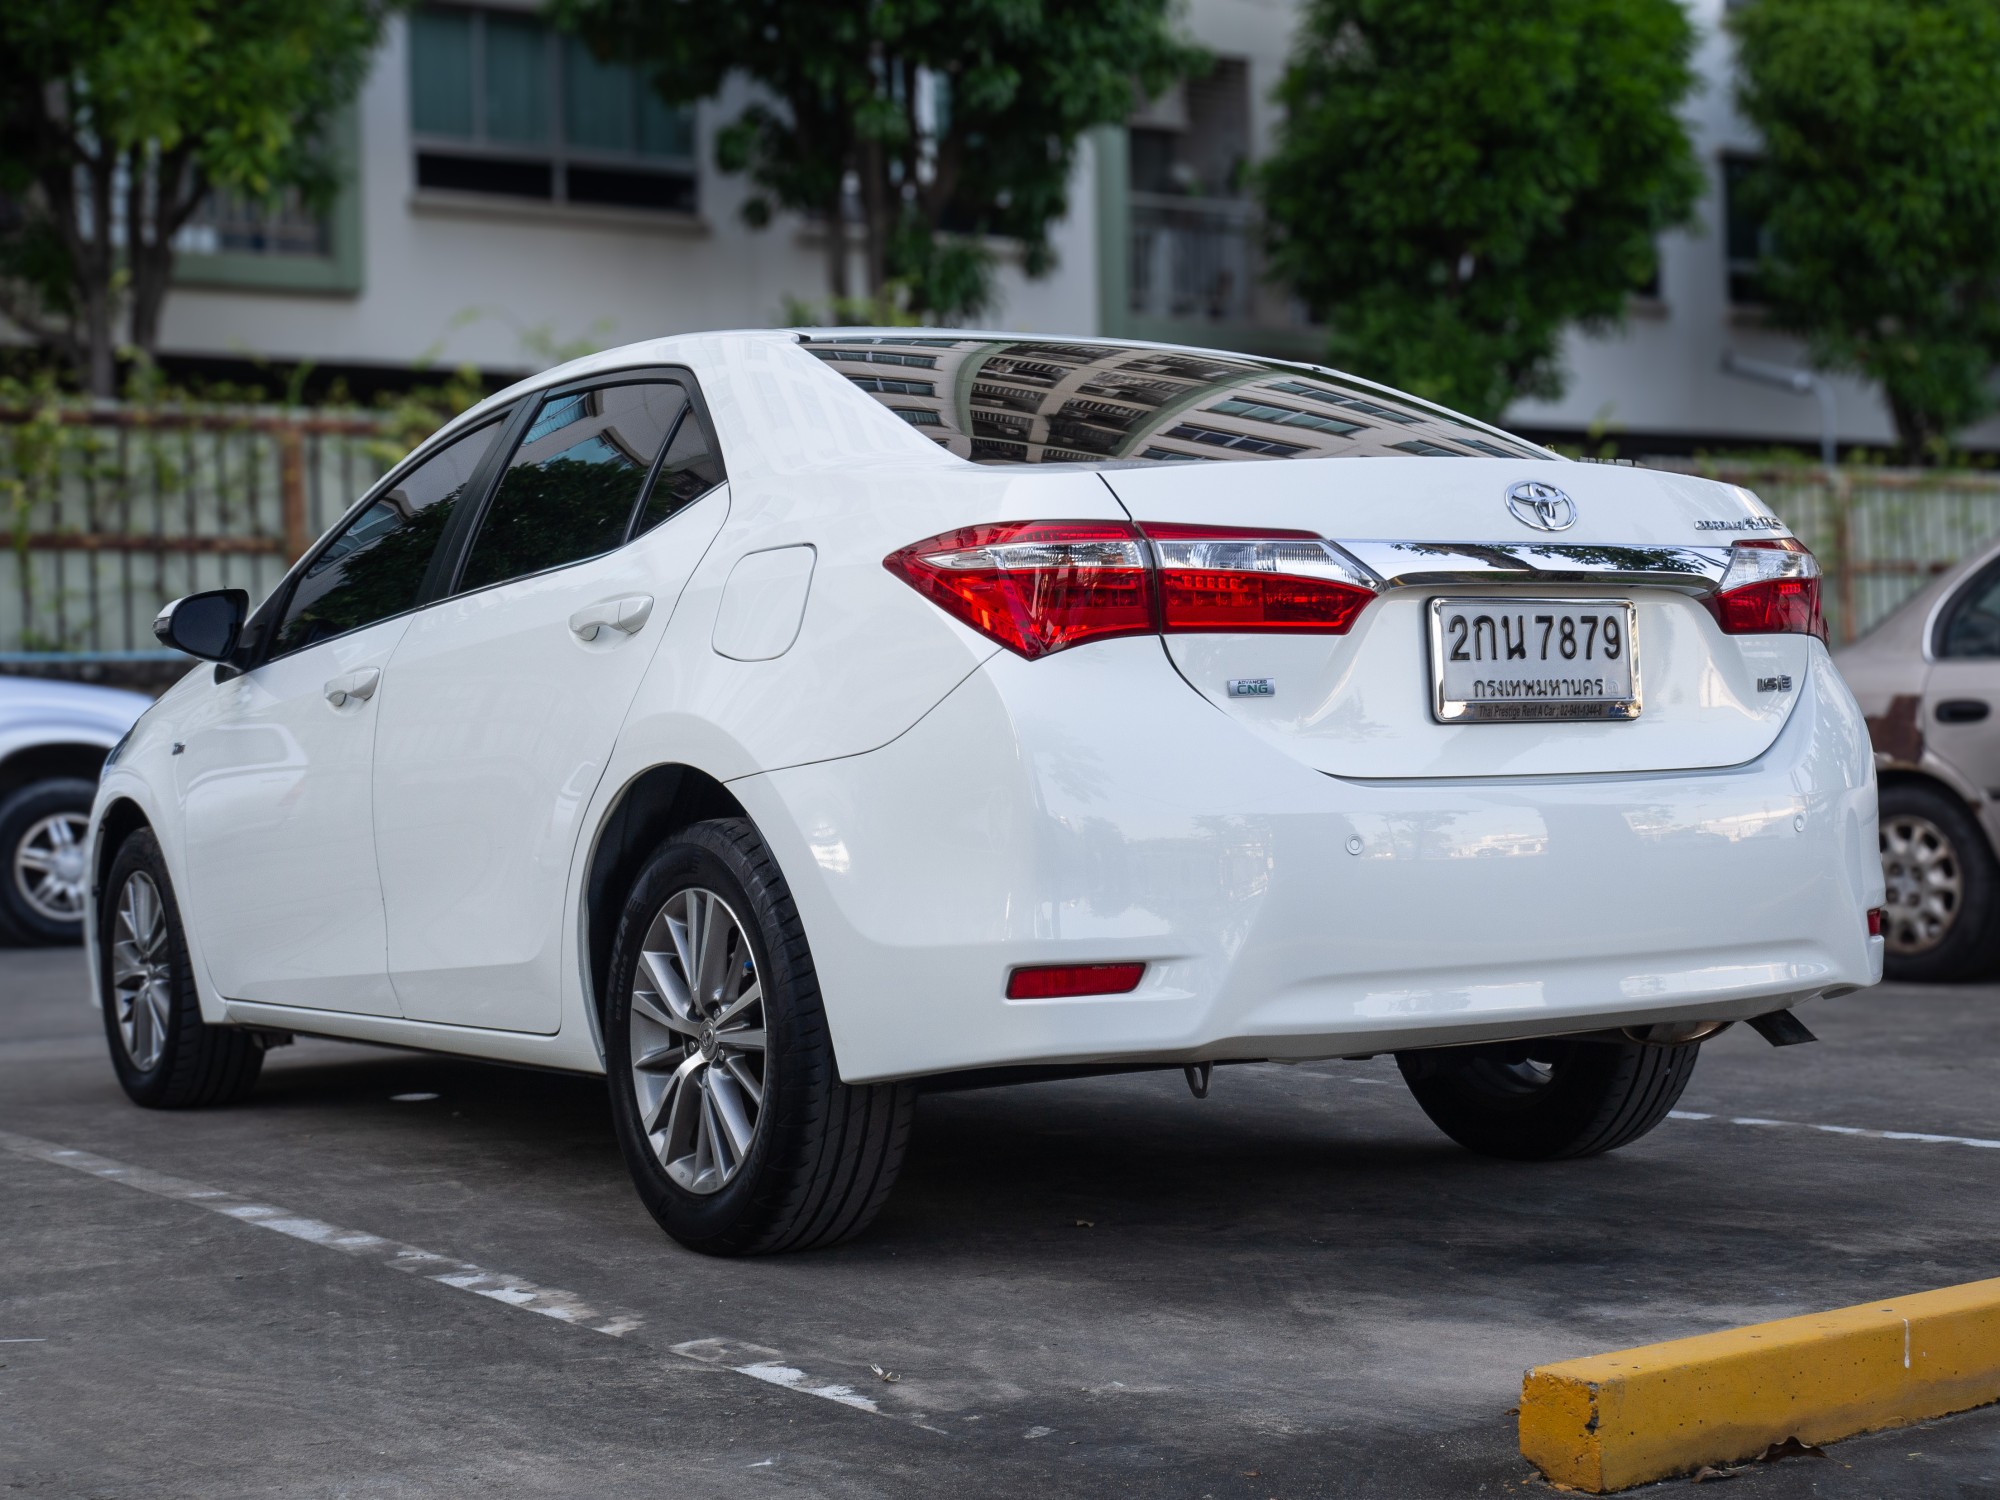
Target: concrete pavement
1294,1288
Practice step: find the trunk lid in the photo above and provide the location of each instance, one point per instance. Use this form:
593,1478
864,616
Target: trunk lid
1362,705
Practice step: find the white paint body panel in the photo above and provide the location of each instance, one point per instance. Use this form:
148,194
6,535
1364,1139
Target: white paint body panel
496,722
763,604
1079,809
944,810
280,842
1359,704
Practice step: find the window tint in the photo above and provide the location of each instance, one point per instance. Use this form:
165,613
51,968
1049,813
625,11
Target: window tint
1973,626
689,471
1029,402
375,567
574,482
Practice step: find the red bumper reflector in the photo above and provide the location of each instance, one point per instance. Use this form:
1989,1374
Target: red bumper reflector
1874,921
1060,981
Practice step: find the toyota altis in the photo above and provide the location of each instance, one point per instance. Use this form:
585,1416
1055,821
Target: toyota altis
783,724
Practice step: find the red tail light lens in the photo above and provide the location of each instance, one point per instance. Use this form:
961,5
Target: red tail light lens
1042,586
1213,578
1874,921
1061,981
1036,586
1771,588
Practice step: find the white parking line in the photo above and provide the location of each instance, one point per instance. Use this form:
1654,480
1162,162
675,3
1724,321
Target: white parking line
1854,1130
754,1360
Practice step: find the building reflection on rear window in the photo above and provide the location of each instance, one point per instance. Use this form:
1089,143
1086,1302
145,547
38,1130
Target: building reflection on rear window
1024,401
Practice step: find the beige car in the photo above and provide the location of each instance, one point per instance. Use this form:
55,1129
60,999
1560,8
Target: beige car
1928,678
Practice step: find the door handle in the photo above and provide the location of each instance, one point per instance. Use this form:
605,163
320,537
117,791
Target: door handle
1962,711
360,686
627,616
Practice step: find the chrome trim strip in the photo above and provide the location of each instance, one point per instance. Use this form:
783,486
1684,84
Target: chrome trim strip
1694,570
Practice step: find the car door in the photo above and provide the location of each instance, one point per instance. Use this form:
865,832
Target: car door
502,703
275,767
1962,689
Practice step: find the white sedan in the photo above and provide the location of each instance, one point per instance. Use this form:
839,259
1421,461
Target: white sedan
785,723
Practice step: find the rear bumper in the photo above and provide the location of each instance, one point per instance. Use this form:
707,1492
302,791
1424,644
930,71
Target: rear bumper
1090,807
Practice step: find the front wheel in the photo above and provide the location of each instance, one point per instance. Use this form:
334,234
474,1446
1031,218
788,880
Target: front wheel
165,1055
1548,1100
728,1108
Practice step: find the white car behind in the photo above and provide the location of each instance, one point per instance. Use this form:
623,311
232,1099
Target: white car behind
53,739
782,724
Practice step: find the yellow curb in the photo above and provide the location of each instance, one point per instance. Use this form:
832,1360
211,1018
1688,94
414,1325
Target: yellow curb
1613,1420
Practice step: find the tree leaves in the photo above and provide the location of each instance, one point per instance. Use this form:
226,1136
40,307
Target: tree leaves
958,119
1457,181
1879,188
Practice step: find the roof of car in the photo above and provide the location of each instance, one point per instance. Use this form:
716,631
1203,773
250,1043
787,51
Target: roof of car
999,397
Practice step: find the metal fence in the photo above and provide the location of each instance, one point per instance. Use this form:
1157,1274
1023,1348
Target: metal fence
1881,534
113,511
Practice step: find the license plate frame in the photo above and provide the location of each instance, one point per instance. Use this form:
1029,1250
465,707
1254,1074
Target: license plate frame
1515,699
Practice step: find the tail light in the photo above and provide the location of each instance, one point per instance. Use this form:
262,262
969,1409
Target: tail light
1770,588
1217,579
1042,586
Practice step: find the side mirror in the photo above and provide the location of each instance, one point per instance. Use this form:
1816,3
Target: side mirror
204,625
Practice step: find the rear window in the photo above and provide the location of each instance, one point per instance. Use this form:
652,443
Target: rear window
1025,401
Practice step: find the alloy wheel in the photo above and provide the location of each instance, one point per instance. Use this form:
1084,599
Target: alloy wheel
697,1040
50,866
1924,883
141,971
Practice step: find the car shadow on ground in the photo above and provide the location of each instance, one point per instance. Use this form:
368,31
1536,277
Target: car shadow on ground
1280,1164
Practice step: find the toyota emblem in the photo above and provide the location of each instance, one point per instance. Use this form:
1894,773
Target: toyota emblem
1541,506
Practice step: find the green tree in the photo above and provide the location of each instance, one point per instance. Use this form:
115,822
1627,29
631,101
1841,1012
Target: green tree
118,118
1456,181
952,120
1879,190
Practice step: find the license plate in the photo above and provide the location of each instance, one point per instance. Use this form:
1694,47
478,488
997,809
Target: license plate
1532,660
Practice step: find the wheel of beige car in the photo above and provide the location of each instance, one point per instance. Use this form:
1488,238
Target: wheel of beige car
43,831
1940,884
1548,1100
165,1055
740,1136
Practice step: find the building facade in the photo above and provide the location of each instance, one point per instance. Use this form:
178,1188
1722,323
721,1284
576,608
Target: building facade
512,200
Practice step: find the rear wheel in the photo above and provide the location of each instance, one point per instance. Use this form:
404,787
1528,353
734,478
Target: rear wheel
1548,1100
1940,886
165,1055
44,828
739,1134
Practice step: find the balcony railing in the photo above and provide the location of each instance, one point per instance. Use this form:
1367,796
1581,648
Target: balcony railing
1202,260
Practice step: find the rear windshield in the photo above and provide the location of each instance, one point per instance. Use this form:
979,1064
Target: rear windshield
1011,401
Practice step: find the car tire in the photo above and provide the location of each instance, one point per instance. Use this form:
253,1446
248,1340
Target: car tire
46,870
1942,902
165,1054
1550,1100
727,1104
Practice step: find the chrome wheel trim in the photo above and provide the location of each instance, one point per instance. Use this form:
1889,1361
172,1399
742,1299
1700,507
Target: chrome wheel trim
142,986
1924,884
50,867
696,1029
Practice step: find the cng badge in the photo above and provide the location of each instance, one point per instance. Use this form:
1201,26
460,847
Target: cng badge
1252,687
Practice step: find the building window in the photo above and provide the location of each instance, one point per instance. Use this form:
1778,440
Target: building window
227,224
1745,237
502,103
